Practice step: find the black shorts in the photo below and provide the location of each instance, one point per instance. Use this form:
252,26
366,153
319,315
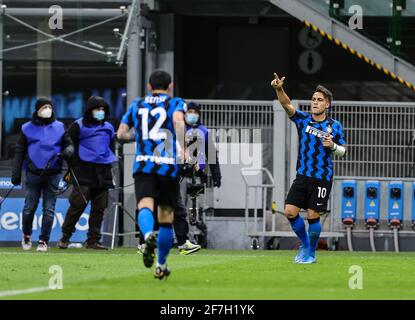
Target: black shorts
164,190
309,193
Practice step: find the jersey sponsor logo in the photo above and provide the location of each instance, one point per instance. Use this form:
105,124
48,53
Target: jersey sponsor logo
319,204
315,132
329,129
155,159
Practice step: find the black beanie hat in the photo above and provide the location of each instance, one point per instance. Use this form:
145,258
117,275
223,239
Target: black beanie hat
194,106
41,102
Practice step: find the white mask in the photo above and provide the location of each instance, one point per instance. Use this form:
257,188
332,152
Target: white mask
45,113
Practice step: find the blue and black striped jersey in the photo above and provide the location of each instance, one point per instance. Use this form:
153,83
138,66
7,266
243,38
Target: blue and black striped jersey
315,160
152,119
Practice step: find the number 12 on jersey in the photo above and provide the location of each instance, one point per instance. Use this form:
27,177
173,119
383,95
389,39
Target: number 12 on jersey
154,133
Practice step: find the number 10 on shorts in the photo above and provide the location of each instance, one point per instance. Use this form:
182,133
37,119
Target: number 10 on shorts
322,192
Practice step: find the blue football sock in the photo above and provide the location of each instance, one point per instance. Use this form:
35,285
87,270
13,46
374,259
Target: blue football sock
298,226
164,242
314,230
145,220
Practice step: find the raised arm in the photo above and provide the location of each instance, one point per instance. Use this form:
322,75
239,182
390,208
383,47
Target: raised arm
285,101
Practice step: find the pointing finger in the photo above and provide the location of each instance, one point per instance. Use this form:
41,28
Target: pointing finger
276,76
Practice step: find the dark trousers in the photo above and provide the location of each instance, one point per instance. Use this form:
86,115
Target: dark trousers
181,226
99,202
35,185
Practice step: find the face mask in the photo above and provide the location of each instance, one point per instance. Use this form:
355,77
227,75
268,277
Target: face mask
45,113
192,118
99,115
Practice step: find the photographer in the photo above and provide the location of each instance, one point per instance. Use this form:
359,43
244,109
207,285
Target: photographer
199,143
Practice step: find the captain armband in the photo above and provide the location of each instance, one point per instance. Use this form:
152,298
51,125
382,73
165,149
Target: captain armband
338,150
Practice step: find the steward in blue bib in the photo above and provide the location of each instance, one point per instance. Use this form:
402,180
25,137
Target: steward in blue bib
93,138
94,147
40,142
42,145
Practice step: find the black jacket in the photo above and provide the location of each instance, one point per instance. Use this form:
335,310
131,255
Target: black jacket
21,153
214,167
209,149
94,175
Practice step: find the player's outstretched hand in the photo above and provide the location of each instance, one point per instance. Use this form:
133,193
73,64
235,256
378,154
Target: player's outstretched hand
277,83
328,142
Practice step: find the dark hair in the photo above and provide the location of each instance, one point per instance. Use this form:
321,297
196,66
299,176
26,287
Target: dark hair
326,92
160,80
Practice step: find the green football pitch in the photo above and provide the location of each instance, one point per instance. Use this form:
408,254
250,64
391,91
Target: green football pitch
208,274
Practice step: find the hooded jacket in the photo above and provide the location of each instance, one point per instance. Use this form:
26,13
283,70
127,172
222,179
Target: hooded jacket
22,154
191,137
94,174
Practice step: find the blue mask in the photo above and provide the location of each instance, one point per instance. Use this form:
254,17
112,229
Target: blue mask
99,115
192,119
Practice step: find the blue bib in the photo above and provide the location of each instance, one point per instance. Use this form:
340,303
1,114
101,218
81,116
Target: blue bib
94,142
44,143
201,135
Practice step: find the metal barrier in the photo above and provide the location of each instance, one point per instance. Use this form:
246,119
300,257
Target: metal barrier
268,213
224,114
237,115
254,233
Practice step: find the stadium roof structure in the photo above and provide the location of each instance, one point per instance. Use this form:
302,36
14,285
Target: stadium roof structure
317,15
109,43
377,8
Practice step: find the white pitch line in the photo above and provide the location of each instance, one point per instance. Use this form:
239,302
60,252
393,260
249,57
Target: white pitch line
22,291
63,254
130,254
